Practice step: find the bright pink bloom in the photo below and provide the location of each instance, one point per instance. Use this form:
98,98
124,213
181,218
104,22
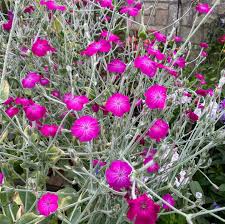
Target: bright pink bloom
180,62
12,111
76,103
47,204
56,93
199,76
154,167
8,25
85,128
131,10
156,97
202,92
116,66
158,130
30,80
8,101
204,54
29,9
110,36
1,178
159,55
44,81
35,112
106,3
192,116
52,5
140,139
143,210
146,65
118,104
41,47
203,45
49,130
178,39
203,8
168,198
118,175
160,37
23,101
102,46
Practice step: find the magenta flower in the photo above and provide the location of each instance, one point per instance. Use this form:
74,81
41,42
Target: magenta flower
29,9
30,80
178,39
130,10
153,167
86,128
118,175
47,204
102,46
118,104
41,47
116,66
199,76
23,101
95,107
56,93
168,198
106,3
44,81
143,210
203,45
99,163
221,39
49,130
1,178
76,103
158,130
192,116
12,111
110,36
8,25
159,55
156,97
146,65
180,62
8,101
203,8
35,112
160,37
52,5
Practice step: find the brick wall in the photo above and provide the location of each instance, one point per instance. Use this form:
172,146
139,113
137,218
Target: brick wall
161,13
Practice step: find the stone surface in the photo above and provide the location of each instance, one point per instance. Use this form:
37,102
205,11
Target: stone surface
161,17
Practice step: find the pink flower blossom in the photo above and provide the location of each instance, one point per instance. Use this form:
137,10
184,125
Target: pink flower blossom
118,175
180,62
47,204
221,39
97,162
110,36
56,93
41,47
158,130
8,101
131,10
30,80
143,210
168,198
106,4
204,54
12,111
116,66
156,97
1,178
118,104
8,25
35,112
203,8
146,65
202,92
23,101
85,128
199,76
102,46
178,39
153,167
192,116
95,107
160,37
203,45
76,103
49,130
52,5
44,81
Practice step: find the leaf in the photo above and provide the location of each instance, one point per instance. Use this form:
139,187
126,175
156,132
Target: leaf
196,187
56,25
4,220
28,199
222,187
30,218
54,154
4,91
